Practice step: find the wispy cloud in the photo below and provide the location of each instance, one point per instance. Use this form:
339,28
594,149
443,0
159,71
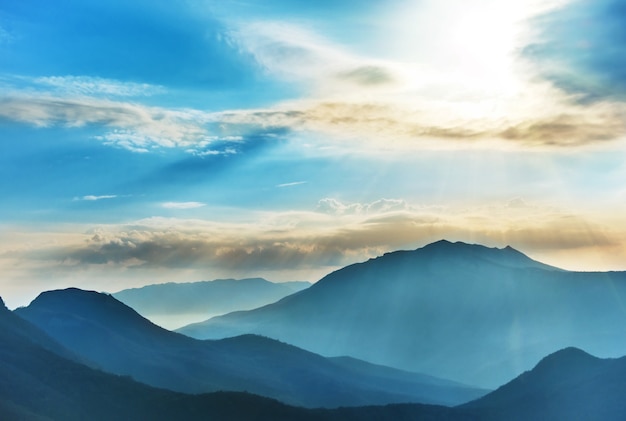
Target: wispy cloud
342,234
336,207
94,198
183,205
131,126
298,54
93,86
579,47
5,36
295,183
351,100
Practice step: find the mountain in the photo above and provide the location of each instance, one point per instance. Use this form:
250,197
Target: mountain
172,305
101,329
470,313
567,385
37,384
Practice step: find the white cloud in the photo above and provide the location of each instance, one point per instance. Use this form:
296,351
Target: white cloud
183,205
132,126
93,86
94,198
336,207
295,183
399,105
298,54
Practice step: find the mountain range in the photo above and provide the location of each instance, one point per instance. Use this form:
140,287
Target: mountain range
474,314
40,381
173,305
115,338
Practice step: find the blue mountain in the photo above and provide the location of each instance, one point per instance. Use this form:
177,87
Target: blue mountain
37,383
567,385
176,304
100,329
466,312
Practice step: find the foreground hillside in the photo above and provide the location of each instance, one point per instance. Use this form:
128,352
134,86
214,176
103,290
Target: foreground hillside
115,338
465,312
567,385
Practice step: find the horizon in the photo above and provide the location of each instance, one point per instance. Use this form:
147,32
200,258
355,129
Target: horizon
162,142
163,318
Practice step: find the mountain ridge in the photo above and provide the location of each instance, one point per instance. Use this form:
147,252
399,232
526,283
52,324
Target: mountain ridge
435,310
174,304
125,343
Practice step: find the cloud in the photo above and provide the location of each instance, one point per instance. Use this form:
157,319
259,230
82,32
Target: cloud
295,183
355,102
388,126
336,207
183,205
5,36
90,86
135,127
299,54
581,49
399,105
94,198
313,240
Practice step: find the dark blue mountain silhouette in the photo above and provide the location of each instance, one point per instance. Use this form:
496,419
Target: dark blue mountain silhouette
567,385
175,304
37,384
103,330
471,313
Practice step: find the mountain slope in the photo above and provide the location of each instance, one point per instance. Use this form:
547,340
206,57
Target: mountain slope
101,329
569,384
465,312
172,304
38,385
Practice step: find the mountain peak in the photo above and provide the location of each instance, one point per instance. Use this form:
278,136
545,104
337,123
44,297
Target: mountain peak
564,358
92,305
506,256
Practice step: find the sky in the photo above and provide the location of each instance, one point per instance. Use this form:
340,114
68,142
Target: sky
154,141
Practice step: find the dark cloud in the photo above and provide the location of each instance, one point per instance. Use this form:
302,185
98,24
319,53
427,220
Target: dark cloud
582,49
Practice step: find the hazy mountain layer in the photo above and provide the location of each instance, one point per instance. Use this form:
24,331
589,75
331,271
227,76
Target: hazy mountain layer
172,305
37,384
103,330
466,312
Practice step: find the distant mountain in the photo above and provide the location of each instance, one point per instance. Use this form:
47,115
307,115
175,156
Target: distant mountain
172,305
103,330
465,312
37,384
567,385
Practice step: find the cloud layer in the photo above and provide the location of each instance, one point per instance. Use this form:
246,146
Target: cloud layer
336,234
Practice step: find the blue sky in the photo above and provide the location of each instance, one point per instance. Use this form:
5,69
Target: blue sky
145,142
